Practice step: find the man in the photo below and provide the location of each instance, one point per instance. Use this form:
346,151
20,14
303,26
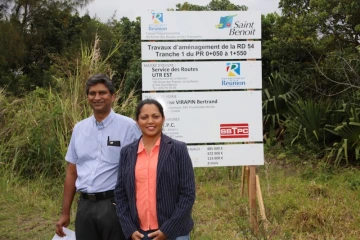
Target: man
93,158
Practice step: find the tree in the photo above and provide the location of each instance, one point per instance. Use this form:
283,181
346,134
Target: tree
24,10
4,8
338,18
126,60
318,31
214,5
50,29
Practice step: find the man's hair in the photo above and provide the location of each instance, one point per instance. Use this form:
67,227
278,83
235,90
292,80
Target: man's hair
100,78
148,101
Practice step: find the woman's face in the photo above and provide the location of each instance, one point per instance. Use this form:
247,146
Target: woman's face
150,120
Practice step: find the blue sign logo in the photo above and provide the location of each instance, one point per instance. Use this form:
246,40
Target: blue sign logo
225,22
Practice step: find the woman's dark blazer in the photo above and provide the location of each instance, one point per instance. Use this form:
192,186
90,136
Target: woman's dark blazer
175,189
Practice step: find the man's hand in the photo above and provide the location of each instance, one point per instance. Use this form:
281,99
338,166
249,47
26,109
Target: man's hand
69,192
63,222
157,235
137,236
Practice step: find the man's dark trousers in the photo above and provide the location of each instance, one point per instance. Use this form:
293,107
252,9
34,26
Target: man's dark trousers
97,220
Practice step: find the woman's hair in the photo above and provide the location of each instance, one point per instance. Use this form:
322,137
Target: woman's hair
148,101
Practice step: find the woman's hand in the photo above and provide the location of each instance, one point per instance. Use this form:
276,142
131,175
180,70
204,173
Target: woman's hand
137,236
157,235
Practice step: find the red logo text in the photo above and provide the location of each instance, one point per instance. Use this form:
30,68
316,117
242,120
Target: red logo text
236,130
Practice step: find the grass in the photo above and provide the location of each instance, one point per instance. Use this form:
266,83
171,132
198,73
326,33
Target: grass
29,208
302,201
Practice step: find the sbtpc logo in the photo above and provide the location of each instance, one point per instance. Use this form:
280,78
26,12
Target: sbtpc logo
157,18
225,22
233,69
236,130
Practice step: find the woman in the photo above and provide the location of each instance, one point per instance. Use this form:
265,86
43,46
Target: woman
155,190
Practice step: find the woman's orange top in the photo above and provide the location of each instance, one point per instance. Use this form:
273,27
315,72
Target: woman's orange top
145,183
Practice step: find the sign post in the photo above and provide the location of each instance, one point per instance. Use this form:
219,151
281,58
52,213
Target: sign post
204,87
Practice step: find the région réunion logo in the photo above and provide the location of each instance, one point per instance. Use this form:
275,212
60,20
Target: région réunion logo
233,78
157,18
225,22
233,69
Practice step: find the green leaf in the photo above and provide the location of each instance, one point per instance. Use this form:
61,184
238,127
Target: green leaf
357,150
346,151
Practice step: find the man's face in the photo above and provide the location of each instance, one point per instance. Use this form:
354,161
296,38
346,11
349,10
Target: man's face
100,98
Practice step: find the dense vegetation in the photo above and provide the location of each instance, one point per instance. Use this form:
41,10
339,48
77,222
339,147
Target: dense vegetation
311,76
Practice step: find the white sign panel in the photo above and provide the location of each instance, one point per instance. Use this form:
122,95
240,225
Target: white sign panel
164,76
212,117
172,25
227,155
200,50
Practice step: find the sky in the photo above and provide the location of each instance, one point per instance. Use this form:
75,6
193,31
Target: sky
105,9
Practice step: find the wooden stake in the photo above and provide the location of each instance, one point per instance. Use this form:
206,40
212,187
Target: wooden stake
252,200
261,203
248,179
242,186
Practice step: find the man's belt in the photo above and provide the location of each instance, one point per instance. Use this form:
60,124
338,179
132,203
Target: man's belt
98,196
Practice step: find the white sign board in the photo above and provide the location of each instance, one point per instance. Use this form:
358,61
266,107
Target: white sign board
195,25
200,50
212,117
164,76
227,155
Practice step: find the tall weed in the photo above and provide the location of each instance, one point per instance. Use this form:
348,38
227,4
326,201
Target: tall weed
38,127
